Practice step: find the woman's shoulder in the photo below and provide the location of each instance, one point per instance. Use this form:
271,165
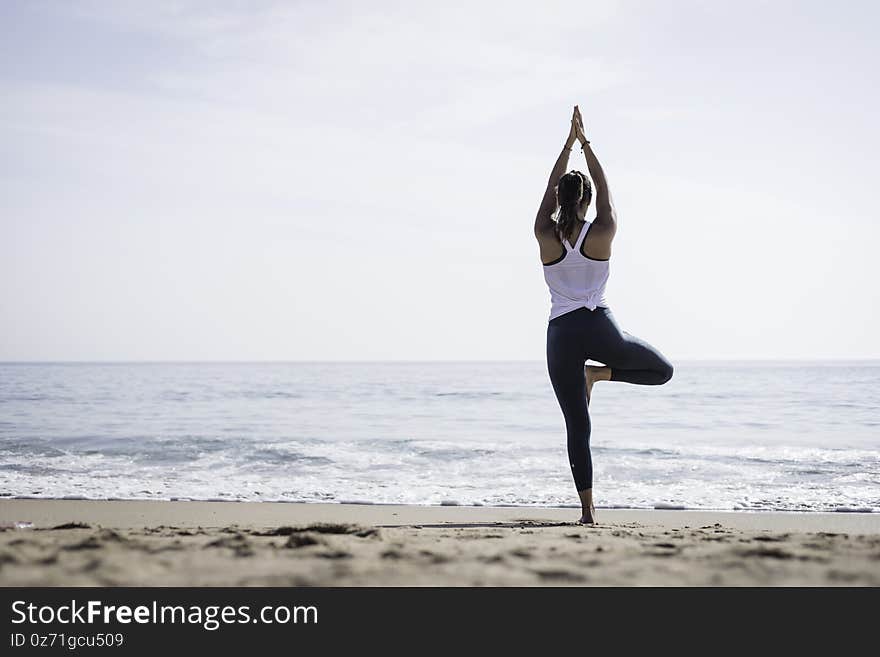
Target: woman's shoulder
597,243
551,249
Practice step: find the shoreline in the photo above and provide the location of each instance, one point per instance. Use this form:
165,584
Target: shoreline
164,543
660,506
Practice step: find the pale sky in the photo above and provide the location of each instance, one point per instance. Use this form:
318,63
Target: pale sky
359,181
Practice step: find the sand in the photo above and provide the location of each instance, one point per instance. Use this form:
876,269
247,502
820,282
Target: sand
140,543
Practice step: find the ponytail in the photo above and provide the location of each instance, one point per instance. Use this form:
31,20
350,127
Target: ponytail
569,193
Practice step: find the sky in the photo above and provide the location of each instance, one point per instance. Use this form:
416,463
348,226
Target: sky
359,180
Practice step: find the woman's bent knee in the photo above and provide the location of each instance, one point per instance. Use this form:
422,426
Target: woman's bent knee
666,372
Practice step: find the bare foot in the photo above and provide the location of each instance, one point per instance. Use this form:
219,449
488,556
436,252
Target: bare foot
591,372
589,518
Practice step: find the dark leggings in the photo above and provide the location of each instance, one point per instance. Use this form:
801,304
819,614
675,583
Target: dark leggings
584,334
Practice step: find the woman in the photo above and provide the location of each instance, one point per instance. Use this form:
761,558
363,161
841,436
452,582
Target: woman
575,254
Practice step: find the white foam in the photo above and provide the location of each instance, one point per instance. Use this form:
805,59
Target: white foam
169,448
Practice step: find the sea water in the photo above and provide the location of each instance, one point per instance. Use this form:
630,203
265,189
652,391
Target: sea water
795,435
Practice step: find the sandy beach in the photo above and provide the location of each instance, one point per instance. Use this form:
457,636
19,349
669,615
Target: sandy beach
139,543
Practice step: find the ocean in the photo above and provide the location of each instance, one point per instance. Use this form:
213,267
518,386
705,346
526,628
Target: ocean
785,436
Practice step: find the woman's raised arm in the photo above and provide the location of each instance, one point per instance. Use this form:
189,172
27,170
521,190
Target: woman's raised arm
544,219
606,217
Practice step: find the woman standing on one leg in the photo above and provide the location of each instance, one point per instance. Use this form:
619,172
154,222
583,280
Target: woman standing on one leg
575,255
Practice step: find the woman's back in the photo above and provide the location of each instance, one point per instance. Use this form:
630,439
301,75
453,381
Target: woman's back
575,280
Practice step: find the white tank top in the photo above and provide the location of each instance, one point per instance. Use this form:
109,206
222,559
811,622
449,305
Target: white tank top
575,280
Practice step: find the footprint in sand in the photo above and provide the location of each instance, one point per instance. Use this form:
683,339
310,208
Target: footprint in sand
301,540
560,575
